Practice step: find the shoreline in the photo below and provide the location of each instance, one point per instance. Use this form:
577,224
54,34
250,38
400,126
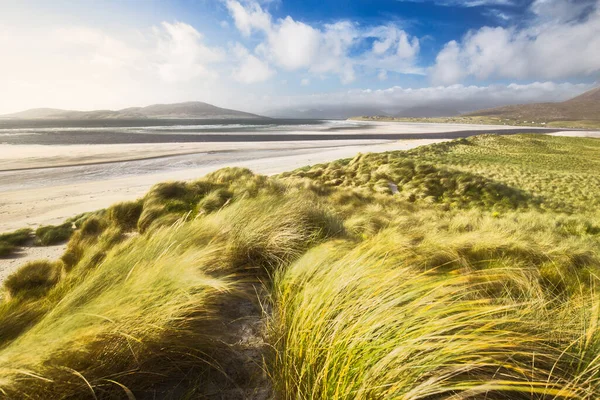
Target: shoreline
104,155
35,206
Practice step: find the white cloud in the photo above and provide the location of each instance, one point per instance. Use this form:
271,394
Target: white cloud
557,45
305,82
182,55
251,68
93,47
294,45
75,66
382,75
465,3
561,10
250,17
393,50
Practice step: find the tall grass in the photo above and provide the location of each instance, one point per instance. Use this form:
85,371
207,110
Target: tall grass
362,323
477,278
147,319
9,242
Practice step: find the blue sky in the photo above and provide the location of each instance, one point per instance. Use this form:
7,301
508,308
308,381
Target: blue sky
263,55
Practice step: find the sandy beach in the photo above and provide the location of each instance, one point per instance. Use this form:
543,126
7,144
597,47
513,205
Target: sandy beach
46,184
50,199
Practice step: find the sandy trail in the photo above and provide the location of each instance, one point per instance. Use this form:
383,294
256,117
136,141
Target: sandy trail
585,134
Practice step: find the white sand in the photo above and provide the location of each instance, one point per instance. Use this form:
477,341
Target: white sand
52,204
26,254
13,157
587,134
52,200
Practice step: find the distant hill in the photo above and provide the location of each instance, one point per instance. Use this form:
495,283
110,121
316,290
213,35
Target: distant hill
192,109
428,112
325,112
342,111
583,107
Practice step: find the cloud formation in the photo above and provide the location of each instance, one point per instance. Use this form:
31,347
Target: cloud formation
83,67
329,49
465,3
562,41
250,69
181,54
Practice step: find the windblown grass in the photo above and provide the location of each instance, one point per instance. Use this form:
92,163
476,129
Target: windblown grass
9,242
144,318
50,234
467,269
33,278
365,323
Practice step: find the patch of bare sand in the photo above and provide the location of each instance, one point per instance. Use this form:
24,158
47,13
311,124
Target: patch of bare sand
19,157
53,204
29,253
586,134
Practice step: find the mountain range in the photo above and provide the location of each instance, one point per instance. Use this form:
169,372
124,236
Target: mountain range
583,107
188,110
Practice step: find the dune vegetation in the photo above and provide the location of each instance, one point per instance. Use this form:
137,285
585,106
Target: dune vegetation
9,242
463,270
492,120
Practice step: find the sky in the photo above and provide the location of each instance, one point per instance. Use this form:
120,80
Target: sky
265,55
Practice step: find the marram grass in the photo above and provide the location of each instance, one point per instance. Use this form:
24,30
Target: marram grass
467,269
365,324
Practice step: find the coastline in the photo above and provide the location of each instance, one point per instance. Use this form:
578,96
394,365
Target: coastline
53,203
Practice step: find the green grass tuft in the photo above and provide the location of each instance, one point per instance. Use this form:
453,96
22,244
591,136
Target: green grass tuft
50,234
126,215
9,242
33,278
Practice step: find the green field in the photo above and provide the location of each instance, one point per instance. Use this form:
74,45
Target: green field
462,270
488,120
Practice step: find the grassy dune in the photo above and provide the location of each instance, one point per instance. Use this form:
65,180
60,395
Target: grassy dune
461,270
490,120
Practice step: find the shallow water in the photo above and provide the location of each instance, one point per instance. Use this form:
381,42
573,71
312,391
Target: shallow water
197,131
163,131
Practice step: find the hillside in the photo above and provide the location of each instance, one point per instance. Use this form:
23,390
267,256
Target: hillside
463,270
191,110
580,108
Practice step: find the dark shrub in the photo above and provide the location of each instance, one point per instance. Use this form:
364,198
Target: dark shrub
10,241
126,215
50,234
214,200
148,216
168,190
201,187
35,277
16,238
72,255
93,226
6,249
